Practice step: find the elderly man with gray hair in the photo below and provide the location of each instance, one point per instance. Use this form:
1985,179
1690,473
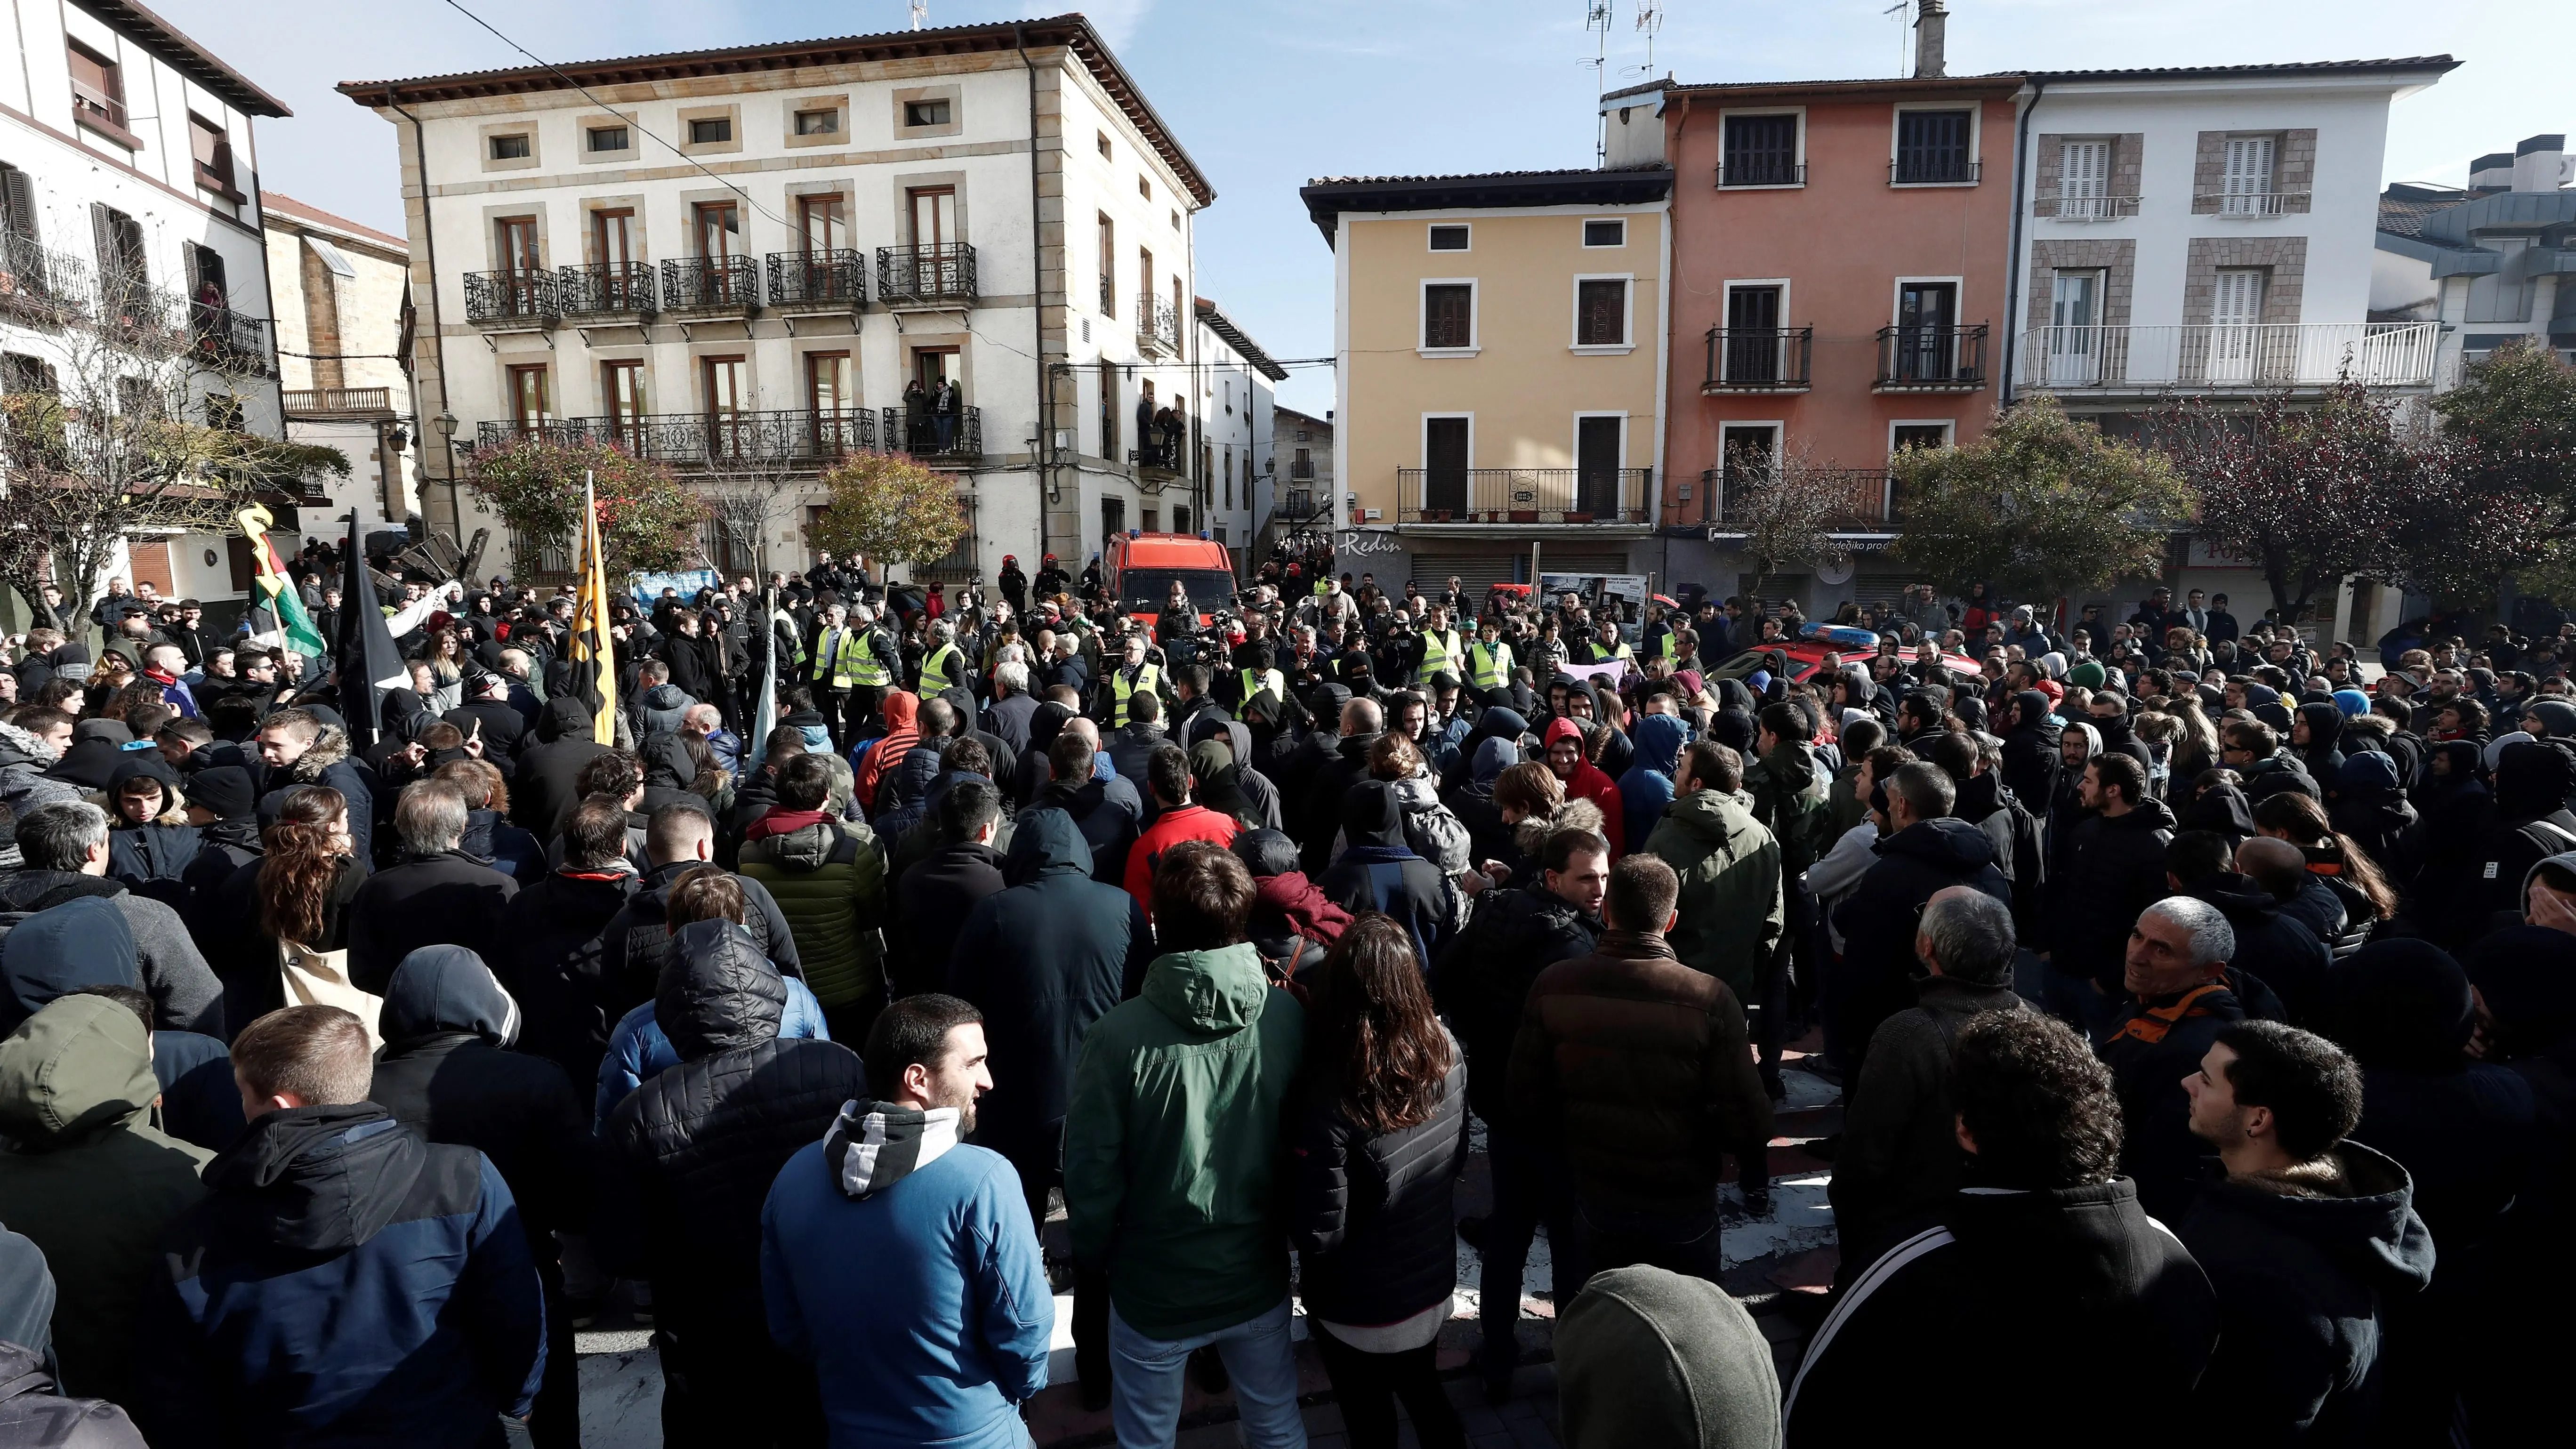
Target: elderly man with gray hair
2180,995
1900,1158
64,850
437,895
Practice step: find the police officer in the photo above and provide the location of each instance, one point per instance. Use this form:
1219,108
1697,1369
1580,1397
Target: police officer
943,667
1132,676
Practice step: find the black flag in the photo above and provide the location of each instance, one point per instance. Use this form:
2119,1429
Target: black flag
369,664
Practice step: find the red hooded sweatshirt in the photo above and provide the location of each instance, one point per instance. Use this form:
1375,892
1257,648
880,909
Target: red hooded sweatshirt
1590,784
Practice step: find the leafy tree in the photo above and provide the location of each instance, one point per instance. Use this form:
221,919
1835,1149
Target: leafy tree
886,506
137,429
648,518
2514,414
2039,507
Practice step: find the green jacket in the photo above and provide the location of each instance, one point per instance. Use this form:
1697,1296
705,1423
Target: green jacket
1171,1143
87,1178
1844,800
833,894
1731,911
1790,800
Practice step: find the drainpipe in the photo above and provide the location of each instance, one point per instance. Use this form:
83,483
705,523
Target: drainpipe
2014,268
437,326
1047,462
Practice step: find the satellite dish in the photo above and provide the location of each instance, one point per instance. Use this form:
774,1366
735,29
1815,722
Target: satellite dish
1836,572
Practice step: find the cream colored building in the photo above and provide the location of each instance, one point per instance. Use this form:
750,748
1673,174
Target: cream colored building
341,293
1500,367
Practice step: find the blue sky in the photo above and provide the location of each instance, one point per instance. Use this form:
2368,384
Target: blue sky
1268,93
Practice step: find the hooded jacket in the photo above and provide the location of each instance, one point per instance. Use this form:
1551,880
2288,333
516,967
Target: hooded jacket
1320,818
1875,979
2307,1264
635,945
1378,871
828,878
326,762
932,901
1790,798
1648,785
1171,1143
88,1179
1044,959
186,994
1732,914
2030,757
2370,804
2272,946
1647,1358
344,1281
1590,784
1171,828
945,1346
32,1418
25,784
543,790
691,1153
1293,923
2115,868
663,707
1641,1067
2078,1277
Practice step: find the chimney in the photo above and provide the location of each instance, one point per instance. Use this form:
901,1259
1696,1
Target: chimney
2490,173
1931,27
2536,163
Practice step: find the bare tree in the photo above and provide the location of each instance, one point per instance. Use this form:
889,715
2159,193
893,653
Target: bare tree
135,424
748,496
1783,504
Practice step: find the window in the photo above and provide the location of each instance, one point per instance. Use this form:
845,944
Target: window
121,270
710,130
1601,312
1927,332
2084,180
612,237
1144,286
719,229
1180,519
2245,186
209,289
833,401
1748,449
821,224
1449,238
1597,444
1108,278
1753,351
1104,145
1447,444
98,87
515,243
528,395
1935,148
2074,329
225,414
1760,151
937,112
212,152
1176,221
20,372
934,216
818,123
1448,315
1605,233
609,138
1145,188
1919,435
513,147
621,391
18,217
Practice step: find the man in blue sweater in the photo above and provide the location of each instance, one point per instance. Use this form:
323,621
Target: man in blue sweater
901,1262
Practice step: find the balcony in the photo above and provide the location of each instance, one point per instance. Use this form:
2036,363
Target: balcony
1761,171
706,440
1932,168
1744,360
231,341
2250,205
1301,470
941,276
923,436
711,285
817,282
1158,327
134,311
607,291
39,286
2258,357
311,402
2059,206
1931,359
510,300
1863,500
1521,496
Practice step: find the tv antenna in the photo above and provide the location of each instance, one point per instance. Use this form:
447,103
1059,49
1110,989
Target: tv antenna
1904,50
1596,18
1650,19
920,12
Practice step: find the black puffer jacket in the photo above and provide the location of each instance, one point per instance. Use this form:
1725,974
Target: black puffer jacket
2115,868
2031,760
636,943
1482,980
1373,1214
692,1152
1876,978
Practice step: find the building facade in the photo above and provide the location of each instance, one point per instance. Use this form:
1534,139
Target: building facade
2487,264
1500,343
341,292
1235,378
1297,489
748,262
132,263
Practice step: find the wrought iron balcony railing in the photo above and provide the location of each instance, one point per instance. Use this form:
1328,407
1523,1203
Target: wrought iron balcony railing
1931,359
1521,495
1761,171
607,289
510,298
926,275
824,281
706,439
231,341
1158,327
1860,500
1772,359
927,435
39,285
710,284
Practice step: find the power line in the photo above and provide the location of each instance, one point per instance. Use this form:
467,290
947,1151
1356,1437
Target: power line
605,106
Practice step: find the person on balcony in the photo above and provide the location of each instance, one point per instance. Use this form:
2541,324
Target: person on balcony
945,408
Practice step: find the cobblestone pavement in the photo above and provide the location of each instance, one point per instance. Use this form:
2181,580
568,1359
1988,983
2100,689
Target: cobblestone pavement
1777,1267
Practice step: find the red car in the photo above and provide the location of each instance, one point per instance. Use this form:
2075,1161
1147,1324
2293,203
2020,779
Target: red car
1804,655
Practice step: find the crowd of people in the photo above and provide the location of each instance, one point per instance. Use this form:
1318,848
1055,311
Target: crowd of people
2202,1006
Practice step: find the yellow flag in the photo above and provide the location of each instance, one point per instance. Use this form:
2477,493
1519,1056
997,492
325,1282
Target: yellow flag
593,655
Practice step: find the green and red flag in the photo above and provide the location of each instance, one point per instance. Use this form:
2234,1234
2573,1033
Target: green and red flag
277,592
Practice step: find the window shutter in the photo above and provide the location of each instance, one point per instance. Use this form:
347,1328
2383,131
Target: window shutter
2249,172
102,226
2084,170
18,195
196,273
2240,298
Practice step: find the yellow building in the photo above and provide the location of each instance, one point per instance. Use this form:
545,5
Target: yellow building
1501,360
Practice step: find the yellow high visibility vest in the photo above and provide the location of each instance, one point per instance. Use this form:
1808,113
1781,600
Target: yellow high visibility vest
836,662
1489,666
866,667
938,673
1439,655
1147,677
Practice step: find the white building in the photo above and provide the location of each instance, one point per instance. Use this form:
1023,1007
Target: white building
1235,402
2205,230
341,292
2488,263
1298,488
741,260
130,243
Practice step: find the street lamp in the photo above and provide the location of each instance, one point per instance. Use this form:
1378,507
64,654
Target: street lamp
445,422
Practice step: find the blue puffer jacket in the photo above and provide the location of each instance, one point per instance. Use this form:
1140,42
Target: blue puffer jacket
639,1050
1647,787
345,1282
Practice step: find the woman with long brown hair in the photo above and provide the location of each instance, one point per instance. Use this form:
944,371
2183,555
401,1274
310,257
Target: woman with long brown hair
298,892
1379,1137
2336,859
